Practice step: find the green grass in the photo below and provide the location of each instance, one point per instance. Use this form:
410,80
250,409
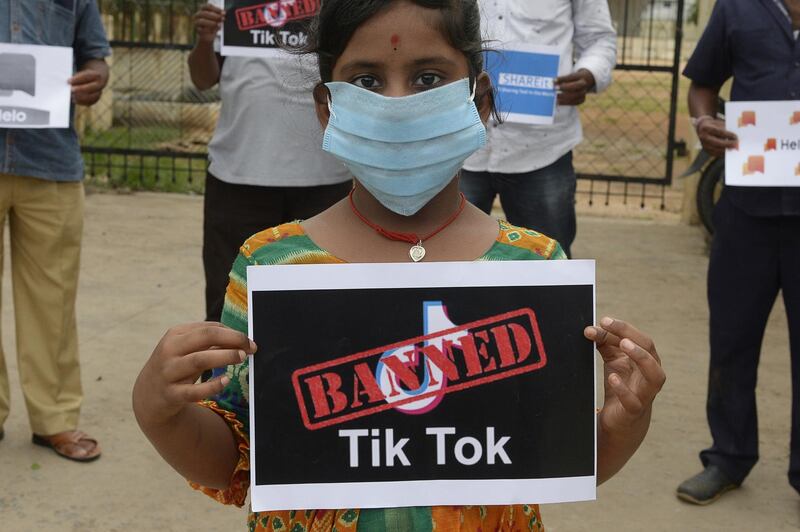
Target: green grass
138,137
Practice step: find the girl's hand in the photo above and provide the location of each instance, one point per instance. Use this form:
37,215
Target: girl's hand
633,377
168,381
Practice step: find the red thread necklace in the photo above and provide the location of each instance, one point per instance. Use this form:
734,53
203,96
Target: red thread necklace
417,252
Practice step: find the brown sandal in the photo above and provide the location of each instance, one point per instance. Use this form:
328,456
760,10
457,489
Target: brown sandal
68,445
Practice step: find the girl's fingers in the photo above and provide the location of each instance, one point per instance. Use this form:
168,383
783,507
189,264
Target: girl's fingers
629,400
191,393
621,329
205,337
601,337
607,343
647,363
186,327
189,366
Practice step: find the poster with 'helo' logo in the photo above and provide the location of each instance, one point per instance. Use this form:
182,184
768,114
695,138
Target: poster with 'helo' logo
34,88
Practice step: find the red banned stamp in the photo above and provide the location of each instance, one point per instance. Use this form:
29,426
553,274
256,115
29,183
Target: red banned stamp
275,14
414,375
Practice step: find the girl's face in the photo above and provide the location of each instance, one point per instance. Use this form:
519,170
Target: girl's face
399,52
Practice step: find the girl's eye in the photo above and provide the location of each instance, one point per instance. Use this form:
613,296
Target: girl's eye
366,82
428,80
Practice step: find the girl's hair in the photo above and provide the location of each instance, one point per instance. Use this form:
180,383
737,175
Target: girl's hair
337,21
331,30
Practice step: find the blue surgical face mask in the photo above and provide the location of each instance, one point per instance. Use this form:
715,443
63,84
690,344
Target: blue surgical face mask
403,150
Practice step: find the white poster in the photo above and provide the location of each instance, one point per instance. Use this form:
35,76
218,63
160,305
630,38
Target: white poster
34,88
259,28
524,76
390,385
768,154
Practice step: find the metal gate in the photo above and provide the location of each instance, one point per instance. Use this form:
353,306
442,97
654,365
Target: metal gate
629,131
151,129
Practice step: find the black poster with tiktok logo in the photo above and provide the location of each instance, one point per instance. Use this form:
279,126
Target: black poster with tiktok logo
385,385
262,28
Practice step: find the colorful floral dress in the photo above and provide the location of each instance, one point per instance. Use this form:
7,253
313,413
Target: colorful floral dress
288,244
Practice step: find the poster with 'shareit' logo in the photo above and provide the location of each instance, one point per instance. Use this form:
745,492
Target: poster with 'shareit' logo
259,28
388,385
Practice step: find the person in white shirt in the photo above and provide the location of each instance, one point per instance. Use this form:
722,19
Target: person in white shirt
266,165
530,166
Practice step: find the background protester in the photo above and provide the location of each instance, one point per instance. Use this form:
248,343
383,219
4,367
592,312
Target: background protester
756,247
266,166
41,194
530,166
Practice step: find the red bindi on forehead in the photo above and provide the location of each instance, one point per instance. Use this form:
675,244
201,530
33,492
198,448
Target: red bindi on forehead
395,41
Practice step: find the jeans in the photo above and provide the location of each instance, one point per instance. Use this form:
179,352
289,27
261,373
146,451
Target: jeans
542,200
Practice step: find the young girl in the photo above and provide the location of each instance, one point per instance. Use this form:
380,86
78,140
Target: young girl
400,114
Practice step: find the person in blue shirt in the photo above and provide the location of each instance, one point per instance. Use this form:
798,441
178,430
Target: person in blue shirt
756,247
41,195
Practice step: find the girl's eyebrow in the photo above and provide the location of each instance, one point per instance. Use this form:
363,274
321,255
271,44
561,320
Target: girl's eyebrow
359,64
434,60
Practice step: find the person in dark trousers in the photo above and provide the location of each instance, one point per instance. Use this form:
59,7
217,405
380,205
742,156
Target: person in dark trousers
266,166
755,251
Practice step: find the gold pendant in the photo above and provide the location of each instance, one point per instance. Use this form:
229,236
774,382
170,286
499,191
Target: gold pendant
417,252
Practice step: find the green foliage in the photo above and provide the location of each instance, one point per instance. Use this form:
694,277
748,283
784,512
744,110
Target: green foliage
148,172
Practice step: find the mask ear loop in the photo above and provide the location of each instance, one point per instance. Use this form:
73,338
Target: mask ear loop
330,107
474,88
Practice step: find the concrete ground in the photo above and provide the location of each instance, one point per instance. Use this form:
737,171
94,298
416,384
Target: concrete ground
142,273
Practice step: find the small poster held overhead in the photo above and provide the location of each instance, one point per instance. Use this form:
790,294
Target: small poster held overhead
524,76
768,154
34,87
256,28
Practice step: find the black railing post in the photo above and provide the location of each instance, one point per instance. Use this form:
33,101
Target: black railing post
673,105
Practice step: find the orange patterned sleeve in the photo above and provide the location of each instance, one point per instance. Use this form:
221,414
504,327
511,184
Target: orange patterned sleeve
236,492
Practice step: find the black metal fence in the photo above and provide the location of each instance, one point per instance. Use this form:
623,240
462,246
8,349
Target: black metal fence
152,127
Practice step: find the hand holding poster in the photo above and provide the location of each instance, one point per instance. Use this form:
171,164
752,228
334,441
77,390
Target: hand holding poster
259,28
524,76
34,88
769,144
421,384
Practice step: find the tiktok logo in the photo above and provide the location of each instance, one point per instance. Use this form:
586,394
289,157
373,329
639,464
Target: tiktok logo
413,375
433,380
